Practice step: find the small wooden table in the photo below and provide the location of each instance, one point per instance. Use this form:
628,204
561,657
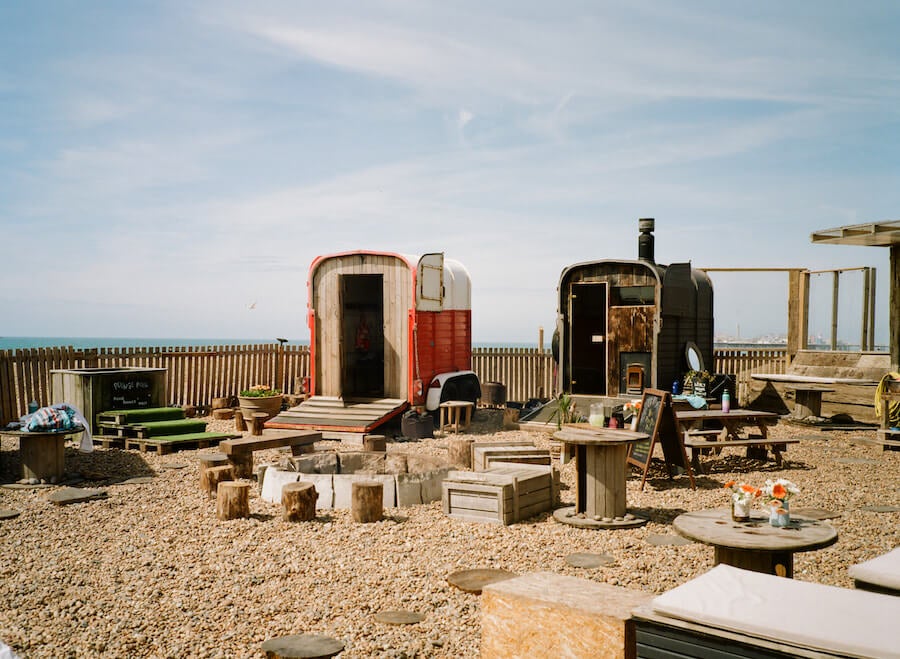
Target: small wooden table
808,400
42,453
755,545
600,467
452,414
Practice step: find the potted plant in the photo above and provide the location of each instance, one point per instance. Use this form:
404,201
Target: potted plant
695,382
260,398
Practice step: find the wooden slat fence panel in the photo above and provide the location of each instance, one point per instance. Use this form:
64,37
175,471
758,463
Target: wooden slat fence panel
526,372
741,362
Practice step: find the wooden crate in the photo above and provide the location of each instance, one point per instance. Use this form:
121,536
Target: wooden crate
487,456
501,495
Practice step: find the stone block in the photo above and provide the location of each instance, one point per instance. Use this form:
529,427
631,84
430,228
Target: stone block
273,480
324,462
343,487
325,488
369,461
421,463
552,615
395,463
409,489
432,484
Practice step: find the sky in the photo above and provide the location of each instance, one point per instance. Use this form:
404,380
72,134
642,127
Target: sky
171,168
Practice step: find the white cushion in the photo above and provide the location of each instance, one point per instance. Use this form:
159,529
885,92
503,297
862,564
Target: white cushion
850,622
882,570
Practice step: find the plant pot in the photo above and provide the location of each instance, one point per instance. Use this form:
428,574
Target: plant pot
271,405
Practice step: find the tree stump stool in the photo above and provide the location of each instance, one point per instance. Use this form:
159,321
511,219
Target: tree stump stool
375,443
219,403
212,476
459,452
190,411
207,461
298,501
239,425
223,414
257,422
232,500
367,501
302,646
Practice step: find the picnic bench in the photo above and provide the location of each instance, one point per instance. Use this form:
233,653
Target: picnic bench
240,451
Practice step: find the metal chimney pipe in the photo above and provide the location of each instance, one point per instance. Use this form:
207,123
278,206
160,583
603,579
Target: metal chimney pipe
645,239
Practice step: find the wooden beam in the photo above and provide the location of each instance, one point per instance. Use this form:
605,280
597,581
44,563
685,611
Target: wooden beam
894,313
864,325
834,308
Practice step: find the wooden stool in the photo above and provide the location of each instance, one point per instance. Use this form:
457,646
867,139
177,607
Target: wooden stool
452,414
298,501
208,461
256,424
459,452
223,414
302,646
367,501
239,425
232,500
212,476
375,443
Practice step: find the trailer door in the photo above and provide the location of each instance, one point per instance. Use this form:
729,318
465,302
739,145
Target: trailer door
587,322
430,283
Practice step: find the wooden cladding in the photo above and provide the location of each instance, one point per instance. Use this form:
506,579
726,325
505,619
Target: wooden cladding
197,374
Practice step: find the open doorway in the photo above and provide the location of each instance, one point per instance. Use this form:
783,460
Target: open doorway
587,315
362,333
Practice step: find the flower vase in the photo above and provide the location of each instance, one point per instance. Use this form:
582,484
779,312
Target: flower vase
634,421
740,510
780,515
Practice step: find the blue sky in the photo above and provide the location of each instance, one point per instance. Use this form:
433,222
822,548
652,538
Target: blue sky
163,165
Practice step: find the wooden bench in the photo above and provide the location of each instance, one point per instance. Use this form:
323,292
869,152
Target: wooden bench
697,441
240,451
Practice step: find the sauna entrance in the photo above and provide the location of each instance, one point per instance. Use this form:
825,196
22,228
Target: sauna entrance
587,358
362,334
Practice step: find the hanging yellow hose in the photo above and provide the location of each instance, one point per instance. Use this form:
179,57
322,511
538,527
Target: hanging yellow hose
884,407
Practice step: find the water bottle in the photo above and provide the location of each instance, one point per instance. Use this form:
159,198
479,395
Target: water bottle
726,402
676,387
33,407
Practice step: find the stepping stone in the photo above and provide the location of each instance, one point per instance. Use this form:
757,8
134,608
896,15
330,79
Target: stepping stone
9,514
815,513
660,540
472,581
302,646
26,486
138,480
857,461
880,509
75,495
174,465
589,561
399,617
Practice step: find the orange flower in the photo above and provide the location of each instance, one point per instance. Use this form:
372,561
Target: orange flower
729,484
779,491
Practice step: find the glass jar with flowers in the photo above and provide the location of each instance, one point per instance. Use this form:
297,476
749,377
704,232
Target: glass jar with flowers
742,496
778,494
632,410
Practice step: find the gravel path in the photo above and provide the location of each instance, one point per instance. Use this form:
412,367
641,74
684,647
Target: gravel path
150,572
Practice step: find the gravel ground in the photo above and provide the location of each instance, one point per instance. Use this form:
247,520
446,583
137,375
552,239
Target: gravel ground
150,572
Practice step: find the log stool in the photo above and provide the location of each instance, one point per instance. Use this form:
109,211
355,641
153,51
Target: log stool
239,425
302,646
367,501
455,413
298,501
459,452
232,500
212,476
223,414
207,461
375,443
257,422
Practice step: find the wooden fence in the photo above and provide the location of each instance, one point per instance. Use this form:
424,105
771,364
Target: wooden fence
195,375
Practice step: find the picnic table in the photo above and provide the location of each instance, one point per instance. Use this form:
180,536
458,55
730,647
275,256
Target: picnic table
42,452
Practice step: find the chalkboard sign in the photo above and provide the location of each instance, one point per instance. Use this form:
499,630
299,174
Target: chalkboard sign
657,420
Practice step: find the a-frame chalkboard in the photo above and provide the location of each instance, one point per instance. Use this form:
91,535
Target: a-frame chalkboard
657,420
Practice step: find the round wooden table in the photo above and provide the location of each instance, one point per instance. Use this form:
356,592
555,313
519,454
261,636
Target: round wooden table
42,453
755,545
600,468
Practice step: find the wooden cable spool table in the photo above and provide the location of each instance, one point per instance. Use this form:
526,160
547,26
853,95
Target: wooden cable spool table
755,545
42,453
600,466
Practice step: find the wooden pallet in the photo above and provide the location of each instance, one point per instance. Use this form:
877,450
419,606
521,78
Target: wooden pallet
145,430
168,443
126,417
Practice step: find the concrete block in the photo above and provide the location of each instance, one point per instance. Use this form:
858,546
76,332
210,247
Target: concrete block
324,487
395,463
409,489
370,461
421,463
552,615
343,486
432,484
324,462
273,480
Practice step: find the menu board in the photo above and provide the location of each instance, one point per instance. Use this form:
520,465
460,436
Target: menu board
657,419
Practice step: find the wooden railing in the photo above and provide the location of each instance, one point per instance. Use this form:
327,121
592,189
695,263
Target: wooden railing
195,375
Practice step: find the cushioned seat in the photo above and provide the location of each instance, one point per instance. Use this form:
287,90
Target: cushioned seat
843,621
881,573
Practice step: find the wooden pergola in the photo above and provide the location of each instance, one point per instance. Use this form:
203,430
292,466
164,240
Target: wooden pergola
876,234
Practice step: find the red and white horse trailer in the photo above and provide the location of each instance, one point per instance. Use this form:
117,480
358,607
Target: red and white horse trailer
387,331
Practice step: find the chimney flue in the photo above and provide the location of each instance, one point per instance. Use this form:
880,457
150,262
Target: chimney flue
645,239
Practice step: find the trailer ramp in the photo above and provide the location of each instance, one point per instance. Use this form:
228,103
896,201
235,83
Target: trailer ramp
337,417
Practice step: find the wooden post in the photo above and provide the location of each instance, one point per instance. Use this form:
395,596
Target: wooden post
459,451
213,476
298,501
864,325
894,312
367,501
871,319
239,425
259,419
375,443
232,500
834,308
